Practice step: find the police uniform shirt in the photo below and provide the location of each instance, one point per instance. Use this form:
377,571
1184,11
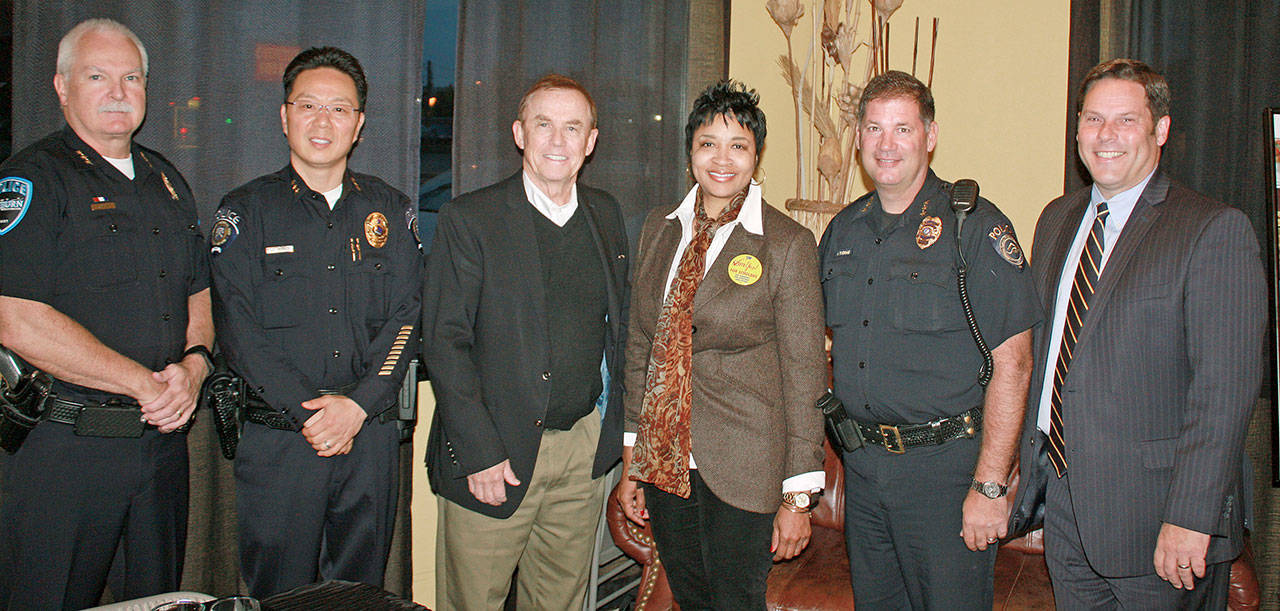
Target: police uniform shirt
901,347
307,298
118,256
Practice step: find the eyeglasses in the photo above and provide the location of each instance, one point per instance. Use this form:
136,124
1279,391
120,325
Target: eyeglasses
311,109
227,603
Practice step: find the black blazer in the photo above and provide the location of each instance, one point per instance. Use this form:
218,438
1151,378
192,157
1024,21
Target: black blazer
1164,375
485,337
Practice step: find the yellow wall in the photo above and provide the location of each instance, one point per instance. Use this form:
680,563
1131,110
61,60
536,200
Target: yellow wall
1000,85
422,509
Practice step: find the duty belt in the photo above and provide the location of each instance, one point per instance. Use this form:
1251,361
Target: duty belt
114,418
258,412
897,438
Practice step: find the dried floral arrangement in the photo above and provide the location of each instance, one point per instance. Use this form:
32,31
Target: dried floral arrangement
825,91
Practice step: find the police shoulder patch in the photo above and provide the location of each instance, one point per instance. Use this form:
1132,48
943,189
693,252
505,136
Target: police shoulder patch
411,219
1006,245
15,198
226,226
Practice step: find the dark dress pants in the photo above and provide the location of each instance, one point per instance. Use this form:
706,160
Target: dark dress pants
1077,586
69,502
902,529
306,518
716,555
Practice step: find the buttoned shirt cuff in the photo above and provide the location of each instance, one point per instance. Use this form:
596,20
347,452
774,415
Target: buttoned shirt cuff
805,482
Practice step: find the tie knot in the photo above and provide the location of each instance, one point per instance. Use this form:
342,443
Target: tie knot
1103,211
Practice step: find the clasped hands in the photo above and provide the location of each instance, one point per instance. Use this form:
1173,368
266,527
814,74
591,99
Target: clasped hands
170,396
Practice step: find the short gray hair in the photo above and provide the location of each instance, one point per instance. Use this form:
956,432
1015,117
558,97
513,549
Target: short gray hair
67,48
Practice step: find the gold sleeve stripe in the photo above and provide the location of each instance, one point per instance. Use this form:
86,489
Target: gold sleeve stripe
397,348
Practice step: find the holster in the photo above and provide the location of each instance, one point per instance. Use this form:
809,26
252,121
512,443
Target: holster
224,394
22,406
840,428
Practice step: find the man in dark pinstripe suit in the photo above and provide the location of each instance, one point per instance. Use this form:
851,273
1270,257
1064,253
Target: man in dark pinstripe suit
1146,405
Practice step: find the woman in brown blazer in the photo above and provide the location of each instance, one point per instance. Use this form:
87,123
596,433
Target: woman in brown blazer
724,362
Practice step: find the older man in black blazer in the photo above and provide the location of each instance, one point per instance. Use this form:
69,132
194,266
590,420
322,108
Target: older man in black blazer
1148,370
524,321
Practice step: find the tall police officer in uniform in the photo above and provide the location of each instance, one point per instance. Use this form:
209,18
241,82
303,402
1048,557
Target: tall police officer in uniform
317,279
925,498
105,286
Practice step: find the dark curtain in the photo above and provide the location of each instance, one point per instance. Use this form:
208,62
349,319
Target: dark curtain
215,70
630,55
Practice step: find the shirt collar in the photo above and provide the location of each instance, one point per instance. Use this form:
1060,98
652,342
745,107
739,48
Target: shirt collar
926,202
751,217
1121,205
305,193
92,159
554,212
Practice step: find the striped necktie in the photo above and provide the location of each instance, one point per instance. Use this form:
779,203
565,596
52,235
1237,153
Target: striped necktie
1082,289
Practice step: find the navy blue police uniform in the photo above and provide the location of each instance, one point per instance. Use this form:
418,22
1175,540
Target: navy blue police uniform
121,257
902,354
309,300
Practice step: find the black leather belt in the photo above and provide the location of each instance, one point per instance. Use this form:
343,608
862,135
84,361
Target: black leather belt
115,418
897,438
258,412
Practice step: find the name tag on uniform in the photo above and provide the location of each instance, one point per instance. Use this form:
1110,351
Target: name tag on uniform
843,253
280,250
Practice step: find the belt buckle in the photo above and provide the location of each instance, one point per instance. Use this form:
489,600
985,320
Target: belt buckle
892,444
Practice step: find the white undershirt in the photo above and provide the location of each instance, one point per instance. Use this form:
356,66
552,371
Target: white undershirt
332,196
125,165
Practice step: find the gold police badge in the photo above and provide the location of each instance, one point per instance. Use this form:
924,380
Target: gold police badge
375,229
930,230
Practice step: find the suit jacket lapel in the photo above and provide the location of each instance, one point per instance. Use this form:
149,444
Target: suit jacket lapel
650,272
522,241
588,209
1058,248
717,280
1145,213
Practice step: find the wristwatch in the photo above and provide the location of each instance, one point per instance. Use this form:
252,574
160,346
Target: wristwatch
991,490
204,352
799,502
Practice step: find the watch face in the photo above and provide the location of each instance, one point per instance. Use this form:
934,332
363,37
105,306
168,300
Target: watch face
991,490
801,499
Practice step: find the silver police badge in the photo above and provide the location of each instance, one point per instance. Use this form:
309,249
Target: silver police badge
15,197
1006,245
226,226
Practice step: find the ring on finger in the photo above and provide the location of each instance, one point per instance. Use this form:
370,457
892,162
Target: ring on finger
992,539
1184,566
326,445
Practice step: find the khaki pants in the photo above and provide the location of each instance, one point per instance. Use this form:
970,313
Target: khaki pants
550,537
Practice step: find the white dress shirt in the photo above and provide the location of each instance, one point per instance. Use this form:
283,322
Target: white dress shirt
554,212
1118,210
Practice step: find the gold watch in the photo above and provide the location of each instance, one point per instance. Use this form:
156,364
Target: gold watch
799,502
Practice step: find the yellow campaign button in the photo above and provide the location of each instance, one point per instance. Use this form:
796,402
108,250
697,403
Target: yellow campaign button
745,270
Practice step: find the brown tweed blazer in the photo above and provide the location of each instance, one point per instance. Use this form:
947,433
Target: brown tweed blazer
759,364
